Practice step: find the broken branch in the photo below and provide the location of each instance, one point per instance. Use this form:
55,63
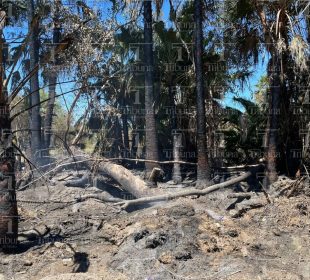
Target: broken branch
169,196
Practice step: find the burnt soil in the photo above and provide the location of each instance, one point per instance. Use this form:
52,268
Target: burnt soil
171,240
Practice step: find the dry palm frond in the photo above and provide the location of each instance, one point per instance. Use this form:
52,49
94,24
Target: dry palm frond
299,51
281,46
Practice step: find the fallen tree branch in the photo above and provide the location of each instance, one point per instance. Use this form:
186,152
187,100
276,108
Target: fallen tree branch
55,170
169,196
101,197
154,161
242,167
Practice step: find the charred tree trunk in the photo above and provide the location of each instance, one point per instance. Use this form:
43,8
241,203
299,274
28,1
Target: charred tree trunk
52,81
151,141
272,125
116,134
203,170
35,121
49,111
8,204
125,126
134,141
176,138
177,143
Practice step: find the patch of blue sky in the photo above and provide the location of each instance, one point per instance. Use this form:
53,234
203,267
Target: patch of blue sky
248,88
103,7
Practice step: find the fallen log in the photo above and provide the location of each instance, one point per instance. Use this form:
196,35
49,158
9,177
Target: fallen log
136,186
192,191
128,181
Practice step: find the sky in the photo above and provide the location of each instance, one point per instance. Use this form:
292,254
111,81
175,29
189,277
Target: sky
247,92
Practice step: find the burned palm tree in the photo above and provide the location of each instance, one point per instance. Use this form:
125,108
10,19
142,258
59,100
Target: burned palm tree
151,141
35,117
203,169
52,78
8,205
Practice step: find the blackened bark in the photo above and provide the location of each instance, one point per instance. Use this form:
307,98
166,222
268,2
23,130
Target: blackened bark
177,143
8,204
203,171
35,121
52,80
49,111
273,122
176,138
125,132
151,141
124,117
118,143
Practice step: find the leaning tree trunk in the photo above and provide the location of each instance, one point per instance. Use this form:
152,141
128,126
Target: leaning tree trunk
151,141
35,121
52,81
8,205
203,170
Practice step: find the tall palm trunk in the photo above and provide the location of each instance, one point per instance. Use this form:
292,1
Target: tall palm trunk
176,138
8,205
35,121
52,81
151,141
203,170
273,120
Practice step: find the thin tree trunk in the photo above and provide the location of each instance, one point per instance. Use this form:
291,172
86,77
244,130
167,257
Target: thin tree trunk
49,111
151,141
177,143
203,170
116,134
52,81
8,204
134,141
176,138
35,121
125,127
78,136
